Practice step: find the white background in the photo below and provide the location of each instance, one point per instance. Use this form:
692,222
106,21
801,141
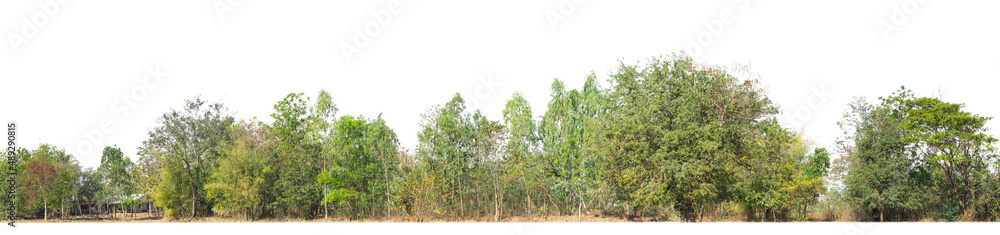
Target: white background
65,66
61,82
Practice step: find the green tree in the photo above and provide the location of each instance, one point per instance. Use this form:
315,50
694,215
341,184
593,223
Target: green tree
383,145
522,155
115,176
883,175
951,139
490,138
148,175
363,168
244,172
186,142
446,139
21,157
818,163
771,179
50,175
565,134
301,155
88,185
677,134
352,167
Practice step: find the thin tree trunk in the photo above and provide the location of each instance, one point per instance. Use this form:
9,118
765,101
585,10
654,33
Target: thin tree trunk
553,203
579,207
496,197
954,186
527,192
461,200
194,202
971,211
326,208
388,206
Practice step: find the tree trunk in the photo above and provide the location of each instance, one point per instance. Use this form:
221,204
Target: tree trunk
388,206
326,208
701,212
194,202
461,200
689,213
528,210
971,210
553,204
774,215
496,199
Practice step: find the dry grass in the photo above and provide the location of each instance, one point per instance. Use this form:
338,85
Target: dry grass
548,219
713,215
118,218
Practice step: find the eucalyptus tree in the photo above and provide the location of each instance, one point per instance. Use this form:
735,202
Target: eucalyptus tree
565,134
148,176
522,153
364,166
351,169
115,174
300,152
446,138
490,140
383,146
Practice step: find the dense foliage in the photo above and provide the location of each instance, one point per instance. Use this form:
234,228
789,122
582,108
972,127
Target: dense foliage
665,140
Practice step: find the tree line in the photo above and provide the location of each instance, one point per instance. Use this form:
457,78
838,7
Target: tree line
666,140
